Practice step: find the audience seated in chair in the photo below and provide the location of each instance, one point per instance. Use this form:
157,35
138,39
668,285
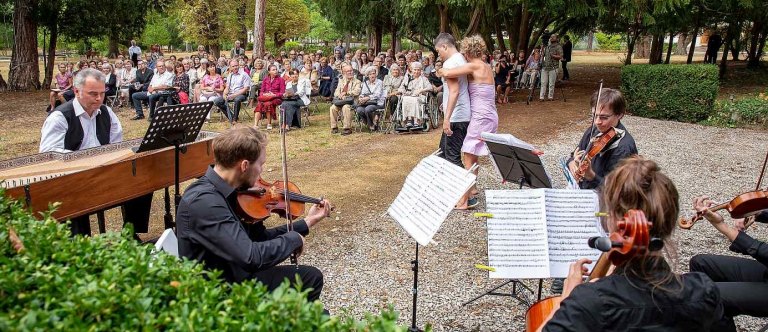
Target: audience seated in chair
258,73
236,91
63,84
160,87
181,85
347,90
372,98
325,75
271,96
211,86
414,93
297,93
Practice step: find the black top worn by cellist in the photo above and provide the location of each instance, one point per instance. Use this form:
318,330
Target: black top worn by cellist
612,108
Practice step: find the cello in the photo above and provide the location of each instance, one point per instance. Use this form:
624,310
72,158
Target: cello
631,238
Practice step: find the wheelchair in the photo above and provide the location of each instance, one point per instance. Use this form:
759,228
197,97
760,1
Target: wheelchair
429,112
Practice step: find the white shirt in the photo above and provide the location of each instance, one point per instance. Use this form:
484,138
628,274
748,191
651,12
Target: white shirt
461,112
165,78
55,129
303,89
134,50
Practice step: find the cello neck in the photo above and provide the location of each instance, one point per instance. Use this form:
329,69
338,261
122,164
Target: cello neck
601,267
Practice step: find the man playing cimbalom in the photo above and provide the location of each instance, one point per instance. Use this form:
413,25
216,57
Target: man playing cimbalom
85,122
238,85
552,55
349,86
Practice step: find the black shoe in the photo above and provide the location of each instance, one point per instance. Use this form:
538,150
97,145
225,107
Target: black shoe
334,130
138,117
346,132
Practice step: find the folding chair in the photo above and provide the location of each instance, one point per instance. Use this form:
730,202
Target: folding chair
168,243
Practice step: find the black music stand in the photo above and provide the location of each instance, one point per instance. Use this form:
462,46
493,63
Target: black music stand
518,165
174,125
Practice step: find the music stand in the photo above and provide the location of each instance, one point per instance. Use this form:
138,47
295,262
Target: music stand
174,125
518,165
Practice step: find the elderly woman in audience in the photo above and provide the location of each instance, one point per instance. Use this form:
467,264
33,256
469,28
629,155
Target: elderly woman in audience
63,84
325,75
372,98
211,86
181,85
285,72
111,80
271,96
297,93
258,73
391,83
414,93
193,78
125,80
309,73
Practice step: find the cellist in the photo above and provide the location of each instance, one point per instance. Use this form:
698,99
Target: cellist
643,293
743,282
612,107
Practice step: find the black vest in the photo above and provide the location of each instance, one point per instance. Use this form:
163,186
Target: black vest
74,136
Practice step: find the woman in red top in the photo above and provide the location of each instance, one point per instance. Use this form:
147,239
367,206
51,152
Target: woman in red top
272,90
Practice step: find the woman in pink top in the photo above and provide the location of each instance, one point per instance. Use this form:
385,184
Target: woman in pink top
63,83
211,86
272,90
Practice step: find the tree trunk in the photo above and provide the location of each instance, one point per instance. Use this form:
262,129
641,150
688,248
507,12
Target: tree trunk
3,85
474,22
395,38
753,61
524,34
682,44
693,44
242,33
445,20
513,26
258,29
632,40
590,40
113,46
643,47
51,64
669,47
215,50
378,34
762,46
24,73
723,62
500,36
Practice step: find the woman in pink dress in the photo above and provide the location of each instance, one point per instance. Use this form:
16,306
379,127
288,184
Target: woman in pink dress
482,103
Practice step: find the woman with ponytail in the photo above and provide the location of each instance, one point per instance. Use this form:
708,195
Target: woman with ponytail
642,294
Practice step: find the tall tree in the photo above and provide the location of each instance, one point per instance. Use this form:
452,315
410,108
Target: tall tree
203,22
24,74
260,8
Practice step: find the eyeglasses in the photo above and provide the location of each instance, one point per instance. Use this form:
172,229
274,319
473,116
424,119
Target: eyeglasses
603,117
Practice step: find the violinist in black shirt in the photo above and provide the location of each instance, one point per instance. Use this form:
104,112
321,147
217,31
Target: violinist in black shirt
743,282
642,293
612,108
210,232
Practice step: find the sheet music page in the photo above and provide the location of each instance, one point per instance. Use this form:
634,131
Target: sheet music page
507,139
571,221
517,233
429,194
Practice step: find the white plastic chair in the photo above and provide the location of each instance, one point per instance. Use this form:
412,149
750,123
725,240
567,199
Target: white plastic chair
168,243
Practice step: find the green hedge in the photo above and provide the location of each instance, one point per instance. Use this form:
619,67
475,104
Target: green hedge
111,283
749,111
671,92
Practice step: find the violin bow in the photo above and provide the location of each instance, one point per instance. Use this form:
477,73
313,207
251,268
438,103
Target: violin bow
284,153
594,113
751,220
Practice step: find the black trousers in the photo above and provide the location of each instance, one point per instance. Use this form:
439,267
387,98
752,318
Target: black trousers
743,283
310,277
451,145
135,211
292,116
566,76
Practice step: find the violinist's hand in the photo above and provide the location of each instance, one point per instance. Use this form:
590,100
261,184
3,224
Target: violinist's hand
575,276
589,174
702,204
318,212
739,224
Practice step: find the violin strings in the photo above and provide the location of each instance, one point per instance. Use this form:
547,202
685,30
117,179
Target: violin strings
292,195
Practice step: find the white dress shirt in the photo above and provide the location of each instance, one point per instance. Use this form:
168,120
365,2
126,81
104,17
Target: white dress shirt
165,78
55,128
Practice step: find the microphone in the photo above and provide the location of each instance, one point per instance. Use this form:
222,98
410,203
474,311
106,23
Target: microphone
602,243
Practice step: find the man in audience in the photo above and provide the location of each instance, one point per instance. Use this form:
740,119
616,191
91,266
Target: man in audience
143,77
383,71
134,52
236,51
296,63
236,91
340,48
159,87
349,87
222,65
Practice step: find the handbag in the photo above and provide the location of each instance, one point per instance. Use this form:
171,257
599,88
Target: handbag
339,102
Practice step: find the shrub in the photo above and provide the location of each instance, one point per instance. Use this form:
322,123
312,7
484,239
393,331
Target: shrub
671,92
752,110
111,283
607,42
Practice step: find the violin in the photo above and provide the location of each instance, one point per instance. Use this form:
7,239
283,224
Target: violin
741,206
630,239
597,145
260,201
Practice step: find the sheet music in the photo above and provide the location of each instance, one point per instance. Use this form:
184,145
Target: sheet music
571,221
429,194
507,139
517,233
569,177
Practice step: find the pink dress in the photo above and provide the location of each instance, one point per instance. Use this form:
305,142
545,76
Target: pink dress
484,118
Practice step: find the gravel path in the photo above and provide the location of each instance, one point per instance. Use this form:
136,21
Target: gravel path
370,268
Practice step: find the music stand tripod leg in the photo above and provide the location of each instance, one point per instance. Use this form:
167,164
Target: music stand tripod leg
415,290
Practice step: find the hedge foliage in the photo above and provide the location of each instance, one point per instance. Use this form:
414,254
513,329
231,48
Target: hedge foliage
671,92
751,110
112,283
